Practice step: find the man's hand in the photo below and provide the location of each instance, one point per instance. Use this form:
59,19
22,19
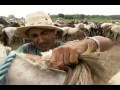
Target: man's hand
66,55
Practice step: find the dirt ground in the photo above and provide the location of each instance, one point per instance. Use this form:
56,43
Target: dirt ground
109,59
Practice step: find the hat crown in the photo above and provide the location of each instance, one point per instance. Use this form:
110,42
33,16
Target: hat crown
38,18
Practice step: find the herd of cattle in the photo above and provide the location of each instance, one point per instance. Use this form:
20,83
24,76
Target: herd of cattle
110,30
71,31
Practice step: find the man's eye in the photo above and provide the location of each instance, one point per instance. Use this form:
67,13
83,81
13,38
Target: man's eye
45,33
34,35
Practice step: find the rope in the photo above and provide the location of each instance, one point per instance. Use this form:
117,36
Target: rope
4,67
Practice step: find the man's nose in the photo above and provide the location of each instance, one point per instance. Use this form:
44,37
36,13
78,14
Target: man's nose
41,39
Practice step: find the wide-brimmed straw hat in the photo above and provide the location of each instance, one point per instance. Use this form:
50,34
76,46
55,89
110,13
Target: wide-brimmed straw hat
38,19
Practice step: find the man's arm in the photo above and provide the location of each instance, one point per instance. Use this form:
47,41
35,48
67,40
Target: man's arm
104,43
68,54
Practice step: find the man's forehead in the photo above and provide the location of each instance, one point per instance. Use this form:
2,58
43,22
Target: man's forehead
37,29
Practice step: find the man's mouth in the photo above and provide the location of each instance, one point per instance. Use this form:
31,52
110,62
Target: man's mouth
43,45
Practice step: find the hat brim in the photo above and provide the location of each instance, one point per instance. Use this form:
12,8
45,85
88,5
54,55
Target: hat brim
20,31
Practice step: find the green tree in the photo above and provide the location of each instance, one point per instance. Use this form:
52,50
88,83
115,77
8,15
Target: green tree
82,16
11,18
61,15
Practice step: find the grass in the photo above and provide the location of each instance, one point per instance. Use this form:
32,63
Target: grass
89,20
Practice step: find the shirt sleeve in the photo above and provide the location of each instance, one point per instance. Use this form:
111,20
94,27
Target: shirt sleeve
21,49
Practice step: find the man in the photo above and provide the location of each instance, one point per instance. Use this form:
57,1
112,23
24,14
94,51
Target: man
40,29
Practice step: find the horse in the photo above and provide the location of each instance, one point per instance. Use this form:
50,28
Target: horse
8,35
22,70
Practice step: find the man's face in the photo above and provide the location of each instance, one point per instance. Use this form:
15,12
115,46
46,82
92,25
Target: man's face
43,39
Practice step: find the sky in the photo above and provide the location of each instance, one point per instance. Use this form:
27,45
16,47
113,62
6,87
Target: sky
22,10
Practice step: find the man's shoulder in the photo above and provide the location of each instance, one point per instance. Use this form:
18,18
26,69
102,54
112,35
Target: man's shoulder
27,44
26,48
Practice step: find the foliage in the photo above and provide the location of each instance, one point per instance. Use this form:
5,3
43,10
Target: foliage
68,17
61,15
82,17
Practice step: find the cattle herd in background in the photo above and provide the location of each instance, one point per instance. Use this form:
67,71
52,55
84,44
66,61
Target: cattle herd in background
80,30
71,31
